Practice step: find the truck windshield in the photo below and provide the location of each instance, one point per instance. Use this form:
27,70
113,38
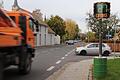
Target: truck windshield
5,21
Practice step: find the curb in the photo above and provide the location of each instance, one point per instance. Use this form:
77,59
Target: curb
90,75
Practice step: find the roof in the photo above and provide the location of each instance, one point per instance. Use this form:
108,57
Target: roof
39,20
50,31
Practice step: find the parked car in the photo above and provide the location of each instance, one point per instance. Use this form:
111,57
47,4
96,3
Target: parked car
70,42
75,41
93,48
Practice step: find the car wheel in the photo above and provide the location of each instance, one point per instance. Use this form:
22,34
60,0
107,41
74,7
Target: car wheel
106,53
83,52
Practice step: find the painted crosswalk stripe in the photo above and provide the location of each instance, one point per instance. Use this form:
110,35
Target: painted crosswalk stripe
52,67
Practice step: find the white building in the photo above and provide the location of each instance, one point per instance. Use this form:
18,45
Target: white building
51,37
57,39
41,35
46,36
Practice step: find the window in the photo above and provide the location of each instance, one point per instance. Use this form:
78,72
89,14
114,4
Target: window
40,28
103,45
5,21
40,40
13,18
45,29
31,24
92,46
45,39
22,22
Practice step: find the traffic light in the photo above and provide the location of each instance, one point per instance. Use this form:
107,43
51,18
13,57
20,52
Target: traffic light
102,10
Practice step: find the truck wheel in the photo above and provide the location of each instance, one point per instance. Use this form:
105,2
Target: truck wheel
25,63
1,66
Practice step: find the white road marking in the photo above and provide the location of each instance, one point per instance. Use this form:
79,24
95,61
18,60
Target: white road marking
58,62
52,67
70,52
63,58
66,55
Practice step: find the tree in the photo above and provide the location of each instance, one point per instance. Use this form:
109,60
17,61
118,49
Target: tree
57,24
107,24
38,14
71,29
90,36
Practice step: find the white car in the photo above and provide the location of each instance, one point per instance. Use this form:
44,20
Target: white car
93,49
70,42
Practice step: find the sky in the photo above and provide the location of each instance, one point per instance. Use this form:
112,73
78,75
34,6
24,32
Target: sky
72,9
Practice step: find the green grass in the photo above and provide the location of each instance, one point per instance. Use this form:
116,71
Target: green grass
113,70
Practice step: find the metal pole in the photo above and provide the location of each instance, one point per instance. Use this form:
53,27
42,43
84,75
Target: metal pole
100,38
88,34
114,41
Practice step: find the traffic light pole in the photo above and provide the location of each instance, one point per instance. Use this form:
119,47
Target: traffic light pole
101,11
100,38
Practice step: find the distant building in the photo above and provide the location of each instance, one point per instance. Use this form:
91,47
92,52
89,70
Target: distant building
52,38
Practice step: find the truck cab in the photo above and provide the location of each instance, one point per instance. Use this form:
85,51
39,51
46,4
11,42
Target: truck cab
26,24
17,42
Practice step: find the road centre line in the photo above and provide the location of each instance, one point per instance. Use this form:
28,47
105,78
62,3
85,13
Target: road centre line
63,58
52,67
59,61
70,52
66,55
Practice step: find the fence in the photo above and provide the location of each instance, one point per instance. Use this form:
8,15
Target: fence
115,46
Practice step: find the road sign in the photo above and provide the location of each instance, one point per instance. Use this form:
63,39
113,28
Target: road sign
101,10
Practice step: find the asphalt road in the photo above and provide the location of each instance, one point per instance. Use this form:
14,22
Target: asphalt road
46,62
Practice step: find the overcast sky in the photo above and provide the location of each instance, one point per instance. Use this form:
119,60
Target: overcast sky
73,9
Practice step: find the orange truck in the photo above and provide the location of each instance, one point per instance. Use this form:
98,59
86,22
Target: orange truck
17,44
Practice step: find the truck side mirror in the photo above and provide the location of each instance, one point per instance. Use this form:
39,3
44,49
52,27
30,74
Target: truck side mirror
36,23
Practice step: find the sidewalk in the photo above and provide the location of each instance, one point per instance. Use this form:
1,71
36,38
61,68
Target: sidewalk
73,71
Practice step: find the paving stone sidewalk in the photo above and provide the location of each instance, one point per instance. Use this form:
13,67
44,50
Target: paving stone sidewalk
73,71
